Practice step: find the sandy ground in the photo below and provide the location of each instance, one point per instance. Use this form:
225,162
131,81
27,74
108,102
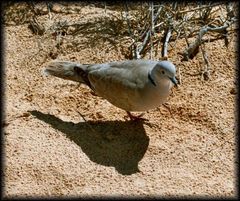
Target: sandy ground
60,140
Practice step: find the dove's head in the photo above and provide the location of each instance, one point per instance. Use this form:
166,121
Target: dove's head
165,70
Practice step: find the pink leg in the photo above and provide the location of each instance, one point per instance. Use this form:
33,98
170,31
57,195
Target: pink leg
135,118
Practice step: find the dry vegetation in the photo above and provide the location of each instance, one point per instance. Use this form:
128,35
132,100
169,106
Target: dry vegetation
63,141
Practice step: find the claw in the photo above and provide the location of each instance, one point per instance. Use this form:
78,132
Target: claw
136,118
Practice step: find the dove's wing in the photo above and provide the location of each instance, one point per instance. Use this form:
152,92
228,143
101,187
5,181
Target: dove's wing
121,83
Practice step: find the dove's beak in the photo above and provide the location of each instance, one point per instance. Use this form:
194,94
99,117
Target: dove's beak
175,82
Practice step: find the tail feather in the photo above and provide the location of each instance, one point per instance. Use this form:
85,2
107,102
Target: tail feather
68,70
81,72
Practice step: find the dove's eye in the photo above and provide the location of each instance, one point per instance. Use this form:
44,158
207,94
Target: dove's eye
163,72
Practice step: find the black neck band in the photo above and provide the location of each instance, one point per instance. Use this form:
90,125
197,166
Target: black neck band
151,79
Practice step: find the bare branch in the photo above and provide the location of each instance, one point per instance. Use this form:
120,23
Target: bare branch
193,48
200,8
165,46
147,37
152,29
206,71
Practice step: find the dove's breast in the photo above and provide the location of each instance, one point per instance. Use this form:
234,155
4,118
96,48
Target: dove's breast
130,91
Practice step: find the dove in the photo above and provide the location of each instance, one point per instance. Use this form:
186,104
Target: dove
132,85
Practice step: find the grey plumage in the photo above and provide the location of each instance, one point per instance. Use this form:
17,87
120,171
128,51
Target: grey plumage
133,85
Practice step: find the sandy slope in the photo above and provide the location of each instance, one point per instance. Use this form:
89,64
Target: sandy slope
61,140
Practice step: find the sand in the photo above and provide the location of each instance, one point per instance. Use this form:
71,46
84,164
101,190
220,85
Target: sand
61,140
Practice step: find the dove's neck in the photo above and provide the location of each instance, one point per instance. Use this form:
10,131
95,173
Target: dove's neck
159,80
154,76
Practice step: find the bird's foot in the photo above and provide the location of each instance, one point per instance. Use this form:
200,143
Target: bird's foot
135,118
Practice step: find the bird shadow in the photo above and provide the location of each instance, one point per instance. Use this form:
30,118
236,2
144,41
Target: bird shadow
121,144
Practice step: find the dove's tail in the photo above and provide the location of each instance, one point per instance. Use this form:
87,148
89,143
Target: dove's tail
68,70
